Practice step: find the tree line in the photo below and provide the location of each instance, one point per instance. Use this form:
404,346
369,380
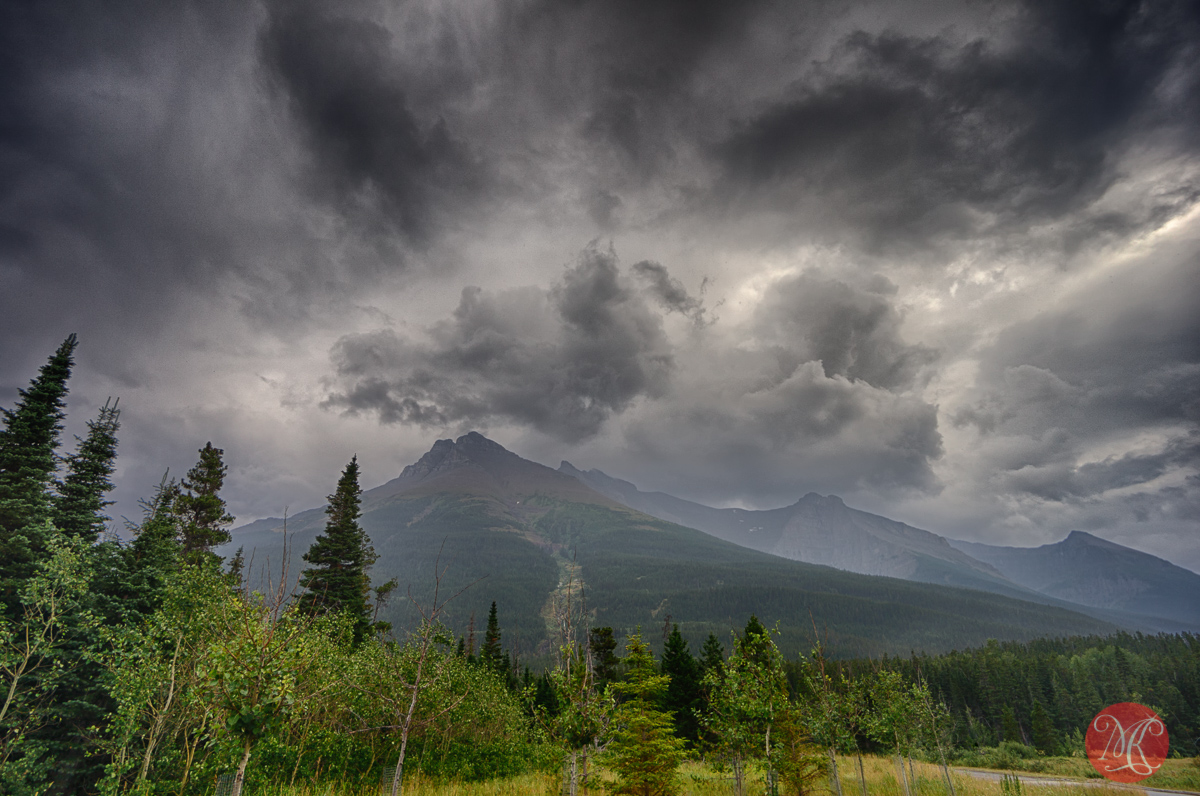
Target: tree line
1042,694
152,666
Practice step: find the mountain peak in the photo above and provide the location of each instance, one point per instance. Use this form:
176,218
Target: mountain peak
450,454
473,440
813,497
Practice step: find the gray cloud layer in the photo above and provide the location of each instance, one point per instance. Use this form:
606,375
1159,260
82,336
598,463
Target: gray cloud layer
561,360
940,260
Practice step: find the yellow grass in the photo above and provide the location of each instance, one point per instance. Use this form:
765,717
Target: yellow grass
699,779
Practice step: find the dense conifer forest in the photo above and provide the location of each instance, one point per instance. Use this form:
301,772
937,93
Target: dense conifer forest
151,666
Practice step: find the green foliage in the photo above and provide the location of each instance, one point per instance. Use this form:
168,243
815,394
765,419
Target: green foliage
32,664
1042,730
800,763
1072,678
747,694
643,749
78,509
337,581
684,697
203,521
1009,730
602,645
28,440
491,654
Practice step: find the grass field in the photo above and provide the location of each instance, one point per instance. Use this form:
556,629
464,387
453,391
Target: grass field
698,779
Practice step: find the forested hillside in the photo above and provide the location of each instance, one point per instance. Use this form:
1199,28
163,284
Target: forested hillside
1044,692
526,536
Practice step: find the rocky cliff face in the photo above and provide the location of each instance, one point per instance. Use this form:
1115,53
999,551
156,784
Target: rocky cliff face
446,455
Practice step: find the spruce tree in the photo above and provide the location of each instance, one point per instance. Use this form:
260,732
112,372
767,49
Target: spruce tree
683,696
603,646
1009,729
79,506
156,552
204,522
712,654
1042,729
337,581
490,653
28,439
643,750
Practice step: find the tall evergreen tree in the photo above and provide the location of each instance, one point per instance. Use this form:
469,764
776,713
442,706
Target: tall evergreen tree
337,581
204,522
712,654
603,646
683,697
491,653
156,551
643,750
1009,729
28,440
78,509
1042,729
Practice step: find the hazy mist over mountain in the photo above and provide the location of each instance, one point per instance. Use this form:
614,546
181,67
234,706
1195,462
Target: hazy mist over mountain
939,260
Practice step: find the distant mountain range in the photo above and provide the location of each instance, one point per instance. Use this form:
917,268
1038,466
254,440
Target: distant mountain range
527,536
1091,571
1133,589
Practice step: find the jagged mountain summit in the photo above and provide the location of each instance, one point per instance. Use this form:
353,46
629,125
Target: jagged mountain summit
537,540
1095,572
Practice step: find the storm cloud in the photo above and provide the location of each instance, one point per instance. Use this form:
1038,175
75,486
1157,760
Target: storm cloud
938,259
561,360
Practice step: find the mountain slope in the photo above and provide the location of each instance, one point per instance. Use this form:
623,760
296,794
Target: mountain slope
1091,571
819,530
528,531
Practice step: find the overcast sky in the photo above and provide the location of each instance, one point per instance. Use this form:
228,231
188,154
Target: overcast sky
940,259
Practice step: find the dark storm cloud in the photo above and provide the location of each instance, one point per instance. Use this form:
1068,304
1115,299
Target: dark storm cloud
105,198
560,360
916,139
669,291
628,62
370,148
853,332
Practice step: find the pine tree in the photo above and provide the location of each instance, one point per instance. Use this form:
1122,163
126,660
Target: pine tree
683,695
1009,729
337,581
28,440
490,654
78,508
204,522
712,654
1042,729
643,750
156,551
603,646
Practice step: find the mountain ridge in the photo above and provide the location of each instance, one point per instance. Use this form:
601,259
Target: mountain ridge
527,535
1089,570
823,530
